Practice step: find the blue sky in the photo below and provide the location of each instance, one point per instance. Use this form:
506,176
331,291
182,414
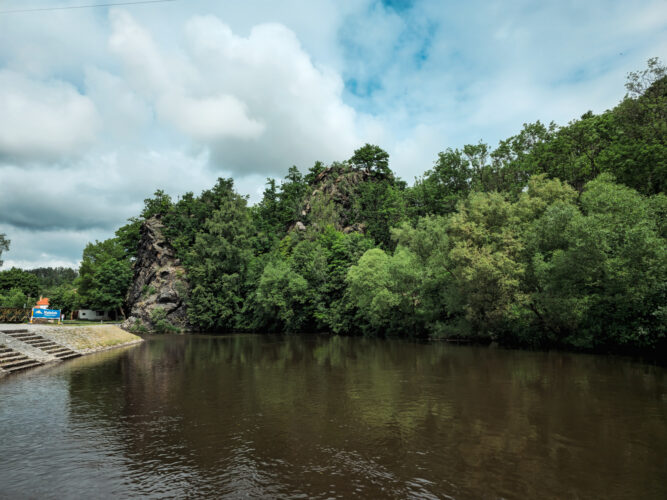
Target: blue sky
101,107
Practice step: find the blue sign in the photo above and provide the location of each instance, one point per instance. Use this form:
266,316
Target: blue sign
46,313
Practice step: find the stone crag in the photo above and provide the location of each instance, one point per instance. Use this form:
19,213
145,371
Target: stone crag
156,298
332,200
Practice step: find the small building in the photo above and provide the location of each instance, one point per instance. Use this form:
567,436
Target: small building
42,303
94,315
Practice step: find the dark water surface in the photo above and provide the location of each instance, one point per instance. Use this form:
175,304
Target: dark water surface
318,417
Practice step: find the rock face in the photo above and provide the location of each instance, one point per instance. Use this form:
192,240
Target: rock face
332,200
156,297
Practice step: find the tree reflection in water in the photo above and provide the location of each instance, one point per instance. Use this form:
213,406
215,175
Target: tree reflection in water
318,416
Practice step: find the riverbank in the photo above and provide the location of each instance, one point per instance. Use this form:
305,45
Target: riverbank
79,340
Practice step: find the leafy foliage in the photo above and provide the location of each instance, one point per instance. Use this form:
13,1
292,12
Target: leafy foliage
50,277
19,279
557,237
14,297
65,298
104,275
218,261
4,245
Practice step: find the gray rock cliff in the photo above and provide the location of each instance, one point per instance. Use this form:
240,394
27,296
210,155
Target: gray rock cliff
156,298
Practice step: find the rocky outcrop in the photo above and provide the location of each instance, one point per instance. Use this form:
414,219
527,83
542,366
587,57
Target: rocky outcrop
156,298
332,200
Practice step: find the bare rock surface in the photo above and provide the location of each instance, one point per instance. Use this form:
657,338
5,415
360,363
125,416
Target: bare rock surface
332,200
159,286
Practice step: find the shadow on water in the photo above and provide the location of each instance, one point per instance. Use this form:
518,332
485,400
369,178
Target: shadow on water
332,417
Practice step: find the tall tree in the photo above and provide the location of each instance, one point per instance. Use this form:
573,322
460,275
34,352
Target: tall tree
17,278
105,275
4,245
218,262
373,159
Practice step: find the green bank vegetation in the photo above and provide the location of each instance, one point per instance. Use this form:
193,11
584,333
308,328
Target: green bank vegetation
554,238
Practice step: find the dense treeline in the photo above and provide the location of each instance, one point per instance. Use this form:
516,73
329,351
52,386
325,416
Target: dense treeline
22,288
557,237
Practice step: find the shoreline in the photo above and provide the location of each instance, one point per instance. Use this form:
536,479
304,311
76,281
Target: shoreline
80,340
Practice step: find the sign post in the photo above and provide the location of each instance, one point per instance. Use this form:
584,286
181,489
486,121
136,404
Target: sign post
45,313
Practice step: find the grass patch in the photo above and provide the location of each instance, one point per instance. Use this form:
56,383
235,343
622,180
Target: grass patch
90,337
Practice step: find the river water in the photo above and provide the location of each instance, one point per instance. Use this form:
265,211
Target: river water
323,417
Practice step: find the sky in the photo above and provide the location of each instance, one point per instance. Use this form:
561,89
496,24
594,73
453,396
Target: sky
100,107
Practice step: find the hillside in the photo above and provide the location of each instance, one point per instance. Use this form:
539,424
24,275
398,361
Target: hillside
554,238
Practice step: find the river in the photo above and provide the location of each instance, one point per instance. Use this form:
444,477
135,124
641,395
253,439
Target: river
332,417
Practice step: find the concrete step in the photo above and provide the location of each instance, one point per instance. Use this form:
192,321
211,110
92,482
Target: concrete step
18,362
20,334
69,355
39,342
4,349
43,345
12,355
12,362
30,364
9,356
10,332
57,350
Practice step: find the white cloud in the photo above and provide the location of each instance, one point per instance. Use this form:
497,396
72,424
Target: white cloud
29,249
43,120
125,116
100,108
258,103
170,84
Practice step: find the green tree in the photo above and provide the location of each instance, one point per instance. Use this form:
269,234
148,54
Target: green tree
160,204
386,292
441,188
110,283
4,245
280,298
429,242
487,253
17,278
105,275
290,199
629,141
129,235
314,173
380,206
218,263
64,297
373,159
599,273
301,287
51,277
14,297
520,156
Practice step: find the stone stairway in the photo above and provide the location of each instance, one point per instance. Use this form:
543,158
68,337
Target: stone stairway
49,346
12,361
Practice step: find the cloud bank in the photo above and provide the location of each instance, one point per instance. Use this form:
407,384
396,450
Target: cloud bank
101,107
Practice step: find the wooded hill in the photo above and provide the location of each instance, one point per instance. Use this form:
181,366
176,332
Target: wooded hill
556,237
